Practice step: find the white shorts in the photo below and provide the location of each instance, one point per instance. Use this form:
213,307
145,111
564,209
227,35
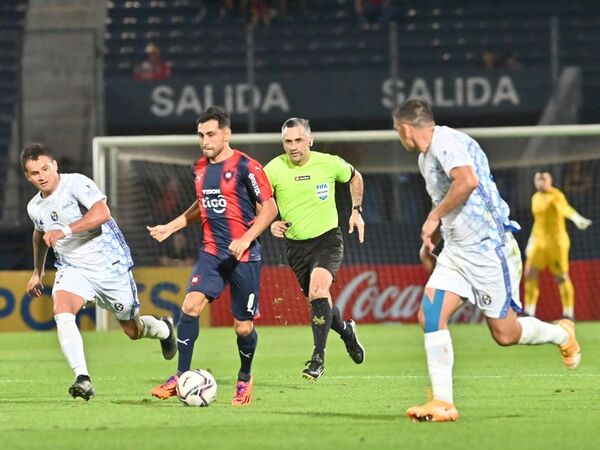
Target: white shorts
116,294
489,279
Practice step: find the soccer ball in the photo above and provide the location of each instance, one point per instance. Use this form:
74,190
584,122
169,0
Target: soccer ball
197,387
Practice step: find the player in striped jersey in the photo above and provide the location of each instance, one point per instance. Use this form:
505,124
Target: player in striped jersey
229,185
92,259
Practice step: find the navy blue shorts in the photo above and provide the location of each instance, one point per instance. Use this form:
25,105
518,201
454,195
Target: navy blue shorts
212,273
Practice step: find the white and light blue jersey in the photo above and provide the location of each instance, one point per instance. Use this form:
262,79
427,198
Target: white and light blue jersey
484,217
102,250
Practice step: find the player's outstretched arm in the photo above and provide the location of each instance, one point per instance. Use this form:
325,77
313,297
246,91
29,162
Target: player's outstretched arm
266,215
580,222
162,232
356,193
570,213
40,250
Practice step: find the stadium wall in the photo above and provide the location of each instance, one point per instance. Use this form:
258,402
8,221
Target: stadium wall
366,293
160,290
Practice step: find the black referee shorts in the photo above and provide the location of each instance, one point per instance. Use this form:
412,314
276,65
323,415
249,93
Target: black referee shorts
326,251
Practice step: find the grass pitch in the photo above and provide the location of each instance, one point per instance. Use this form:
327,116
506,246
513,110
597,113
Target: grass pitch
509,398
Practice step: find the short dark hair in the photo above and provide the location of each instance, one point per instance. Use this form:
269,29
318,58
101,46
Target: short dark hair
33,151
293,122
414,112
215,113
543,170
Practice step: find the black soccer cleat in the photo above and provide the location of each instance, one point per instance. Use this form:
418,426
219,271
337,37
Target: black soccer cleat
82,388
169,345
353,345
314,369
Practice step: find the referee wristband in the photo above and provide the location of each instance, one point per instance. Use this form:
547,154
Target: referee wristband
357,208
66,230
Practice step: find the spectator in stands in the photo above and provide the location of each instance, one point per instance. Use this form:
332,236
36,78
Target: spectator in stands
371,14
154,68
260,11
488,59
510,61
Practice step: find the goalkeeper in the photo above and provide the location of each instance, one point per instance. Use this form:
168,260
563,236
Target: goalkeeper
549,243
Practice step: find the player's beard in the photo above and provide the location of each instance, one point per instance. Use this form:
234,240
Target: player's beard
212,153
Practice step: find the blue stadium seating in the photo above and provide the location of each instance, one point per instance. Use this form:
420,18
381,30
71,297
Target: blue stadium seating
431,34
12,19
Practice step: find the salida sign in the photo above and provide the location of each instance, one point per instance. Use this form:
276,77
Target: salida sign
344,95
240,98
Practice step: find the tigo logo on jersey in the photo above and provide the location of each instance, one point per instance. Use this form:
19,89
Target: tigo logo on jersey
218,204
323,191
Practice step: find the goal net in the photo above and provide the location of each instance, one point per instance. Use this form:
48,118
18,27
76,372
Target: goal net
148,181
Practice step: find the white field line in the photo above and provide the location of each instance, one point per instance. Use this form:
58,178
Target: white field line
391,377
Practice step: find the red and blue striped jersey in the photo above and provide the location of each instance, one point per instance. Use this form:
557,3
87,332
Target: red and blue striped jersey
227,193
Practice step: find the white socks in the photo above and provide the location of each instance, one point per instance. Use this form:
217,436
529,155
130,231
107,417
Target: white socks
71,342
440,359
535,332
154,328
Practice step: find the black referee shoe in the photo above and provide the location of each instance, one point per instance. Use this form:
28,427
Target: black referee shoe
314,369
353,345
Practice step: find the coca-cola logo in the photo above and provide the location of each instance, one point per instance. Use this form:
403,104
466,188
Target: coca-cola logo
362,297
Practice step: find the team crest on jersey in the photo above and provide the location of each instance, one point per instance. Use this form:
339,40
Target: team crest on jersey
118,307
54,216
195,280
323,191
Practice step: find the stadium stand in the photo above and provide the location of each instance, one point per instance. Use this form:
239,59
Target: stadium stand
12,18
431,34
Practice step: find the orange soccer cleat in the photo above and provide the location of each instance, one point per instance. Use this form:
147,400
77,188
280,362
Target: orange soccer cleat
433,411
570,350
243,393
167,389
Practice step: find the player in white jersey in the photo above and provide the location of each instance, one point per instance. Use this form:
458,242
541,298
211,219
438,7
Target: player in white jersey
480,261
92,259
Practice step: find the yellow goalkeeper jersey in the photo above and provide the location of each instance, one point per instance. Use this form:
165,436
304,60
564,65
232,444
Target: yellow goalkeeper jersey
550,209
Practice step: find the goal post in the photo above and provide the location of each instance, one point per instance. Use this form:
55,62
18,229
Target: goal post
148,180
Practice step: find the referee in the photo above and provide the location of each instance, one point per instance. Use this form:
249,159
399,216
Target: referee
303,184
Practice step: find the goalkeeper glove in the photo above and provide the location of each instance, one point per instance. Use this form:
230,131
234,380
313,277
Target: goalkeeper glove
580,222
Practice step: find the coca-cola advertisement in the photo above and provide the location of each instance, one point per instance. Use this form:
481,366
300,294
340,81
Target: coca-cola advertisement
393,293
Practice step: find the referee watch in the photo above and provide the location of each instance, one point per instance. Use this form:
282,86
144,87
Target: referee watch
357,208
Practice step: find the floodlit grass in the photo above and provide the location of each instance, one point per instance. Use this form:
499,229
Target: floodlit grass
509,398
